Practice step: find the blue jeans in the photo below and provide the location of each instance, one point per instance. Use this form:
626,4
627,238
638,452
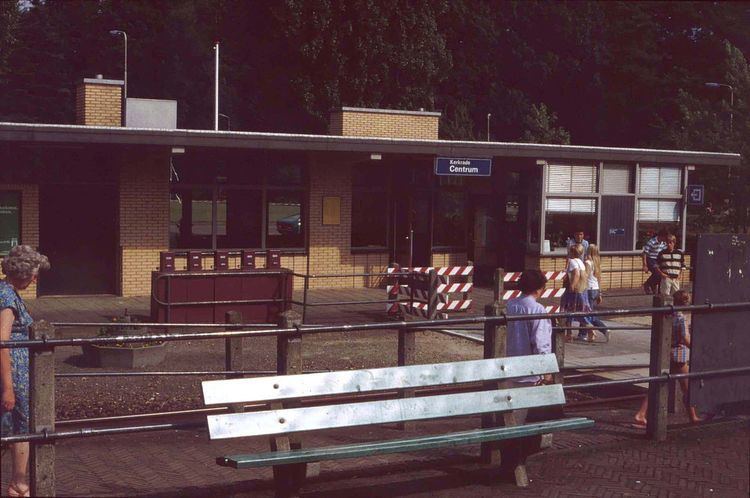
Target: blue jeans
593,295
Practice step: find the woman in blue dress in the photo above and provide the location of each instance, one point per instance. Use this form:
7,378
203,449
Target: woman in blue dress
21,267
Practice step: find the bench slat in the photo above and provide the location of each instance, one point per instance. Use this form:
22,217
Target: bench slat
285,421
401,445
216,392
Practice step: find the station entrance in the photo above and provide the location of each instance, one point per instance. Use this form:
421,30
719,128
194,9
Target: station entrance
79,240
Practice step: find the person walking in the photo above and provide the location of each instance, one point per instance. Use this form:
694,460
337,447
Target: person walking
575,298
21,267
670,262
679,362
594,273
651,250
579,238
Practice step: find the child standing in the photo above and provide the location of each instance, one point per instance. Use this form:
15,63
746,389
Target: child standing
679,361
594,273
575,298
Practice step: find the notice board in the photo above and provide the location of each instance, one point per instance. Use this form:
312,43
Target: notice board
10,220
721,339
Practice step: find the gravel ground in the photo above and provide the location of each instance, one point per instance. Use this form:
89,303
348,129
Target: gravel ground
109,396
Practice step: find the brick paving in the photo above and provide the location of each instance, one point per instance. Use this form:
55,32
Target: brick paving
611,459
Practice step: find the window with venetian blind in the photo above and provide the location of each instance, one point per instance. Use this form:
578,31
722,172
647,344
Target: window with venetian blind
659,203
569,205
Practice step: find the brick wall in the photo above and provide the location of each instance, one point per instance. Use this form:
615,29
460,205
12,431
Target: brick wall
144,219
449,258
351,122
619,272
99,104
330,245
29,223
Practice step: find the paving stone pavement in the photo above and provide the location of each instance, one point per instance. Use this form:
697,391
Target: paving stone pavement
611,459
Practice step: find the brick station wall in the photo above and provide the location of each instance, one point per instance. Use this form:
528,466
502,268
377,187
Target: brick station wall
144,219
628,272
362,123
29,223
98,104
330,245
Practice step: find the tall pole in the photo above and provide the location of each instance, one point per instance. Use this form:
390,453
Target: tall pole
216,88
116,32
125,76
488,126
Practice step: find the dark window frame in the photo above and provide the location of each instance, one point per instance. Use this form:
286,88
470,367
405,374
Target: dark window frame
386,189
262,186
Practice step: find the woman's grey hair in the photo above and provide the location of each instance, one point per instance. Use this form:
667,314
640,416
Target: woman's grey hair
23,262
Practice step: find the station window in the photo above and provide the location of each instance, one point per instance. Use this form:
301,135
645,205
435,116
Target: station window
255,202
659,202
449,219
572,206
565,216
370,207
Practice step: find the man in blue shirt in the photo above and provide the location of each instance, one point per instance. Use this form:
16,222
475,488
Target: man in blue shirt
651,250
578,238
526,337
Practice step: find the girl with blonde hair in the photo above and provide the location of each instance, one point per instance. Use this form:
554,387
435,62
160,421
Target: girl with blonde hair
594,273
575,298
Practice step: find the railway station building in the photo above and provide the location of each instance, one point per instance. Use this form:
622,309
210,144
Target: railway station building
102,198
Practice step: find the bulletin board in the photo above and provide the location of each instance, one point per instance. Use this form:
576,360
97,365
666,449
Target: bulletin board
10,220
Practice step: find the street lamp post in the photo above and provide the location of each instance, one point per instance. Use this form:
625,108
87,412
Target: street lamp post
117,32
711,84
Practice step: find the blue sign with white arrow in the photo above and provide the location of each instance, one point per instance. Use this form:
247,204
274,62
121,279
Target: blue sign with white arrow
695,195
453,166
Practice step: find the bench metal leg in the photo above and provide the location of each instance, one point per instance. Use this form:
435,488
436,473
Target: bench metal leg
288,479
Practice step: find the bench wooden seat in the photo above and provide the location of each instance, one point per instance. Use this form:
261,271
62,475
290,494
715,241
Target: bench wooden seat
285,417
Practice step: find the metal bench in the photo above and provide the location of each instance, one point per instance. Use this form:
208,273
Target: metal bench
480,380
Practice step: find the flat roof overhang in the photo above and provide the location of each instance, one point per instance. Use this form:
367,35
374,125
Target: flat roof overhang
75,134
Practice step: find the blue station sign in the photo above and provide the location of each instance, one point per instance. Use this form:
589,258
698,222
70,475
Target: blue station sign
459,166
695,195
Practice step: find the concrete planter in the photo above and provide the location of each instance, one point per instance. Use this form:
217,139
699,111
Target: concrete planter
126,356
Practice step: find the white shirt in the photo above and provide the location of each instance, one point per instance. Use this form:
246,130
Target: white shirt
593,281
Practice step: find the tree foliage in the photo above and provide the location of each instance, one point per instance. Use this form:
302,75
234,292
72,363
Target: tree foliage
598,73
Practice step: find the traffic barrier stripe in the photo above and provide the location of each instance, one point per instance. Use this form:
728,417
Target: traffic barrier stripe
551,275
545,293
463,271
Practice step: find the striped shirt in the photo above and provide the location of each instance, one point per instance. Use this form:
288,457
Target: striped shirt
680,351
653,247
671,262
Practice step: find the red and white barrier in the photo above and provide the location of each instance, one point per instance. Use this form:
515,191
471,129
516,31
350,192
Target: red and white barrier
551,275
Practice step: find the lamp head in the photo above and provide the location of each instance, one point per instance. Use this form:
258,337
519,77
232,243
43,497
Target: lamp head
116,32
712,85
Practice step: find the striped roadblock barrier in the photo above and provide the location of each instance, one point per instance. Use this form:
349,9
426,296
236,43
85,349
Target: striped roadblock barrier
429,290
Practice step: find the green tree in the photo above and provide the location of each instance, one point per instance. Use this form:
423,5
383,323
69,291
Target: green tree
540,124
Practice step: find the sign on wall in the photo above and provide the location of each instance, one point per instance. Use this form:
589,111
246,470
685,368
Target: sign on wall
10,220
695,195
456,166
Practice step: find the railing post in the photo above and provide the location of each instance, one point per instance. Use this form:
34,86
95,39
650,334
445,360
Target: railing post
305,288
233,346
289,346
498,286
495,341
289,362
661,345
42,416
432,295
